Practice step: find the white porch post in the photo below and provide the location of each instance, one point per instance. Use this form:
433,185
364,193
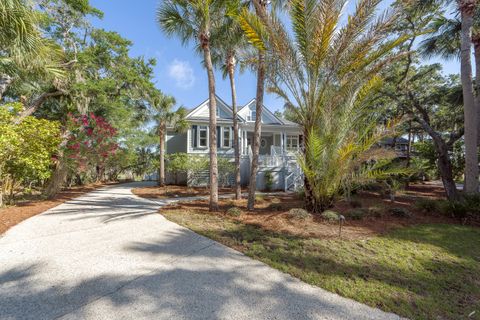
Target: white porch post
189,139
282,142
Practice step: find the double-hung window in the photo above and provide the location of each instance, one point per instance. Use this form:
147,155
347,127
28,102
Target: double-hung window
292,142
227,137
202,136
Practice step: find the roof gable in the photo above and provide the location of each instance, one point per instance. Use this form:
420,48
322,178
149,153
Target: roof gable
203,111
268,117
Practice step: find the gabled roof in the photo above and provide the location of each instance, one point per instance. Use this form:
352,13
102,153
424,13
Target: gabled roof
270,113
220,103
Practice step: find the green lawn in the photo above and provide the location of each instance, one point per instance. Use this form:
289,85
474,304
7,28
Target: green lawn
421,272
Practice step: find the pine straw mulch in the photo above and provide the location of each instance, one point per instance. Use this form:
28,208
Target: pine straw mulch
271,213
176,191
22,210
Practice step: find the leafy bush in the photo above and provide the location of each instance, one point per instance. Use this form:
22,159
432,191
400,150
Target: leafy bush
376,211
27,150
427,205
330,216
400,213
468,208
225,170
454,209
268,180
234,212
356,214
298,213
301,193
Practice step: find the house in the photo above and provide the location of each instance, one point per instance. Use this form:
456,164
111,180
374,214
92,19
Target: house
280,141
398,144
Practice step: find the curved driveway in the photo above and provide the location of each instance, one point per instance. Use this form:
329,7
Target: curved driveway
110,255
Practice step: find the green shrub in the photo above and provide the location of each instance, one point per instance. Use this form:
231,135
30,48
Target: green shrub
298,213
330,216
234,211
301,193
454,209
376,211
400,213
468,208
427,205
276,207
268,180
356,214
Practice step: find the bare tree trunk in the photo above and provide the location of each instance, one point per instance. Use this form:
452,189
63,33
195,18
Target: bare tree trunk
58,179
213,127
5,81
471,156
257,131
231,71
161,152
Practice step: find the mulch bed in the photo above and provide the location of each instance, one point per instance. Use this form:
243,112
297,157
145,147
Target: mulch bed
11,216
174,191
271,213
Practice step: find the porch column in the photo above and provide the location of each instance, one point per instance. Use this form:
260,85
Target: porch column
282,142
189,139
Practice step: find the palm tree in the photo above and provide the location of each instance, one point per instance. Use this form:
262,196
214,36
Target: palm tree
326,73
22,46
165,116
262,15
225,55
198,21
467,10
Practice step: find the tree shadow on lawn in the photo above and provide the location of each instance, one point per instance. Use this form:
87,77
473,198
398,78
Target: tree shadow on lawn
210,283
426,272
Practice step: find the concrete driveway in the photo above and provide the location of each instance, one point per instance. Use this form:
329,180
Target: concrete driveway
110,255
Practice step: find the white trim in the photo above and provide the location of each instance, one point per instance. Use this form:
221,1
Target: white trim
207,138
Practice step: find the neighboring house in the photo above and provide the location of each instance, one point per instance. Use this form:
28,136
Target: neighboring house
399,144
280,141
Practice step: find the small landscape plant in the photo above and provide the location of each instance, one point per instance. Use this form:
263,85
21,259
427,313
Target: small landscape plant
268,180
427,205
356,214
234,212
298,213
330,216
400,213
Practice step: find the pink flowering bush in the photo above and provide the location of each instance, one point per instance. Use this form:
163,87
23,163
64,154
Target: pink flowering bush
91,141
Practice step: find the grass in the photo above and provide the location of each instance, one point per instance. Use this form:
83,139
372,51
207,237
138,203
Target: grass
421,272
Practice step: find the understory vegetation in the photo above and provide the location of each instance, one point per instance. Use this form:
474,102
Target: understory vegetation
427,271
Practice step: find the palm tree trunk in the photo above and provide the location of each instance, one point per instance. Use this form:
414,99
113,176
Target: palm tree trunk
257,131
231,71
213,128
470,114
476,50
161,152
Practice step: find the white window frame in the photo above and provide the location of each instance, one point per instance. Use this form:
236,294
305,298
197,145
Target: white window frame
251,117
200,129
225,130
289,143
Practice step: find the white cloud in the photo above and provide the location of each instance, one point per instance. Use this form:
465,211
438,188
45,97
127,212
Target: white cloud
182,73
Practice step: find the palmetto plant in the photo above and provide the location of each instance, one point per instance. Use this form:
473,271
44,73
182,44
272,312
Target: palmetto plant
22,46
326,72
166,117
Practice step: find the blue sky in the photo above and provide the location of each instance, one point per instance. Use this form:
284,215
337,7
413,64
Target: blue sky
178,71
